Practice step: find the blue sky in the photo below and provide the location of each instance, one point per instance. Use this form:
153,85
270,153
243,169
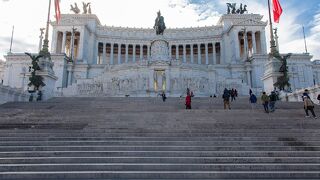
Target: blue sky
28,16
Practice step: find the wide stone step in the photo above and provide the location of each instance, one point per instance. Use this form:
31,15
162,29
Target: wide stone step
288,134
160,143
168,139
162,175
187,160
160,154
91,147
157,167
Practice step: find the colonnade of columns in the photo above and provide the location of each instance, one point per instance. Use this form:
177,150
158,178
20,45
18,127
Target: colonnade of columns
113,53
249,43
200,53
62,43
116,53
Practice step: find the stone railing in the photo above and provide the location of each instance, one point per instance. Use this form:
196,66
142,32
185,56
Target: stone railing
8,94
297,95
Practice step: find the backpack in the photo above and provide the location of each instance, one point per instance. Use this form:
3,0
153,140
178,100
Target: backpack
253,98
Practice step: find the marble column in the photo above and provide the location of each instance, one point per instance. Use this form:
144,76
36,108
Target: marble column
134,53
170,53
127,53
207,54
141,52
191,53
199,53
148,51
249,78
214,55
96,53
263,42
64,38
254,43
104,55
53,43
119,53
246,46
177,52
184,53
81,45
111,54
237,45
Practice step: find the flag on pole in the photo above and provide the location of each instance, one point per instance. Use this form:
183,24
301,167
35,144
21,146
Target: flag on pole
277,11
57,8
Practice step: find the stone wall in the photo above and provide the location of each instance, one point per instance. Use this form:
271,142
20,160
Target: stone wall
8,94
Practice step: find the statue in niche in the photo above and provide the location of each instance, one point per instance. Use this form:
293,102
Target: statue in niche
75,9
85,7
233,10
159,24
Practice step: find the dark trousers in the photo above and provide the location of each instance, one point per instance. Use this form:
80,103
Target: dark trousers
266,106
310,108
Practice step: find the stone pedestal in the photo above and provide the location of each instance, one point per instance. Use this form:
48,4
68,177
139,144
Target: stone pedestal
49,78
271,74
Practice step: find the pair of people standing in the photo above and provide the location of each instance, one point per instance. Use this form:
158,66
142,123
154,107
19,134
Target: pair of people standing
269,102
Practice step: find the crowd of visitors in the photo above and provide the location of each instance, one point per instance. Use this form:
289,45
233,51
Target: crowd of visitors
268,101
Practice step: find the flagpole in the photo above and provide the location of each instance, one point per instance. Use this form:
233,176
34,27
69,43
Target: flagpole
273,44
11,39
305,42
45,49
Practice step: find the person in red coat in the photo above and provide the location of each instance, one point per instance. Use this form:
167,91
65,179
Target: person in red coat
188,101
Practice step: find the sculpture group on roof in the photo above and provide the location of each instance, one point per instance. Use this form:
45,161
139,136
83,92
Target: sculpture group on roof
233,10
85,6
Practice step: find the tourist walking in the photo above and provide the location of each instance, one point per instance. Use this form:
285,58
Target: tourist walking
308,106
233,95
305,93
226,99
273,99
163,95
188,100
253,100
265,102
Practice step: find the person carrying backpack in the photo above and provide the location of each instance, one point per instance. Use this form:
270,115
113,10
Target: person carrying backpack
308,106
265,101
253,100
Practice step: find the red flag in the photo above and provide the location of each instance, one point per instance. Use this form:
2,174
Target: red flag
277,11
57,8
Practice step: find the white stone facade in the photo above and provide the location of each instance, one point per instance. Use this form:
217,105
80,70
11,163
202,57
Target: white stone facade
116,61
2,63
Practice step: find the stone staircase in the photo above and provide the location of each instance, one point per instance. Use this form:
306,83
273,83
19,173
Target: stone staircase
145,138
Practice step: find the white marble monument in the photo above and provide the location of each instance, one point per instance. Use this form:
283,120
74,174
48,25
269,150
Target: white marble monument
117,61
